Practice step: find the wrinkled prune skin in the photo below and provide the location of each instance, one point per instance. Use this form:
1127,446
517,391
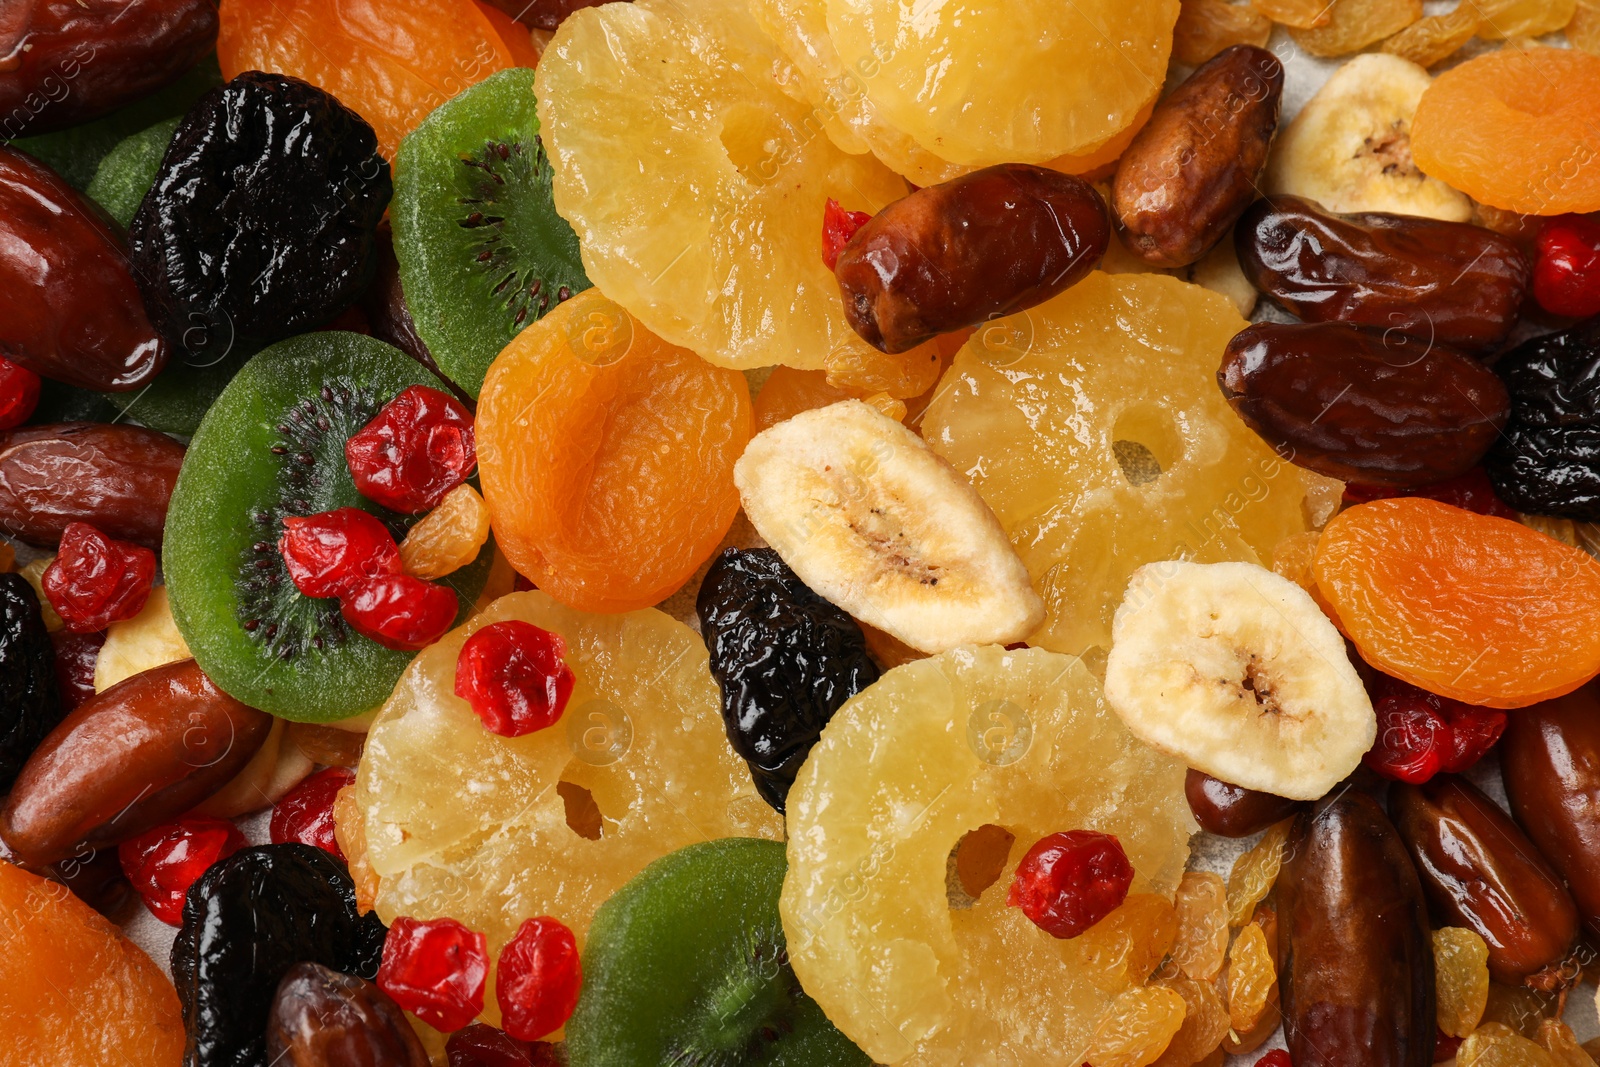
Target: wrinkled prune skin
246,922
1232,810
116,478
30,707
63,62
784,658
321,1018
1547,460
262,219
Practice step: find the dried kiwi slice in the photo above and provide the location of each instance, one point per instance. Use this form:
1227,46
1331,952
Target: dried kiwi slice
129,170
273,445
184,391
687,965
482,251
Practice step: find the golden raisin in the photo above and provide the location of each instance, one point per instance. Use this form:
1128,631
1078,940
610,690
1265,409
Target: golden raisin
1502,19
1206,27
1251,978
1301,14
1354,24
1255,872
1461,967
1137,1029
1494,1045
1558,1039
1202,942
1584,29
447,538
1127,945
1435,38
1517,1007
1205,1023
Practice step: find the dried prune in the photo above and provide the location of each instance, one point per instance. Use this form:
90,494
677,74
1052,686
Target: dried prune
262,219
77,655
29,704
784,658
246,922
1547,460
321,1018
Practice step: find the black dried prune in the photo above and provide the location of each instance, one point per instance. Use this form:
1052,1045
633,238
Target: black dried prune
246,922
262,219
784,658
1547,460
29,704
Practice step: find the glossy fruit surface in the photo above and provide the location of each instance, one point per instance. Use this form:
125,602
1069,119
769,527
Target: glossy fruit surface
19,394
481,1045
1231,810
399,612
321,1018
1071,880
305,813
1474,608
447,538
1421,733
538,978
838,226
1461,967
417,449
1566,276
515,676
436,970
30,700
607,456
1547,462
164,862
96,580
329,554
117,478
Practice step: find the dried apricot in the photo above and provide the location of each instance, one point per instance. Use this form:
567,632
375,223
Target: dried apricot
607,456
1202,941
1515,129
1251,978
1472,607
1354,24
1461,970
448,537
1255,873
1435,38
1138,1028
1205,1023
1206,27
787,392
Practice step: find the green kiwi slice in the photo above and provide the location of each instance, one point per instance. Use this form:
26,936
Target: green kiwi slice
129,170
687,965
273,445
482,251
183,392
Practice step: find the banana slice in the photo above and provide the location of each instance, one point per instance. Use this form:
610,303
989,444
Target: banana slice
1236,670
1349,149
874,521
148,640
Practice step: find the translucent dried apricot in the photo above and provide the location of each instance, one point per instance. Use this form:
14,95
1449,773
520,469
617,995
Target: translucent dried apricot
1206,27
1202,940
1205,1023
1461,971
1435,38
787,392
1515,129
1255,872
392,62
1472,607
1138,1028
607,456
1251,978
448,537
1354,24
1503,19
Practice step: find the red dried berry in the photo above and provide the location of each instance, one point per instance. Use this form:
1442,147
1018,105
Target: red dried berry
1413,739
435,970
1566,276
1276,1058
399,611
481,1045
537,980
417,449
97,580
1471,491
305,813
1473,732
163,863
76,658
19,394
329,554
1445,1047
515,677
838,226
1069,881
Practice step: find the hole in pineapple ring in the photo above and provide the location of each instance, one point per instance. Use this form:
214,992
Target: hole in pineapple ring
602,335
976,863
583,814
599,733
1145,443
757,143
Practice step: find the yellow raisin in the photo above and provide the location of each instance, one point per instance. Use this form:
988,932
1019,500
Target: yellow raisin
1517,1007
1435,38
1131,942
1205,1024
1494,1045
888,405
1137,1028
1251,978
1206,27
1302,14
1202,940
447,538
1354,24
1461,964
1558,1039
1584,29
1504,19
1255,872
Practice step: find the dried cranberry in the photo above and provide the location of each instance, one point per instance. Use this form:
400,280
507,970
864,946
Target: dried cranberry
481,1045
537,979
1069,881
515,677
1276,1058
1444,1047
417,449
435,970
1472,491
1566,279
399,611
329,554
19,394
1413,739
838,226
77,655
163,863
96,580
305,814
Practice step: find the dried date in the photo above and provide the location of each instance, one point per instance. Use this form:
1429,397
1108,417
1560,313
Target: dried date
322,1018
116,478
1232,810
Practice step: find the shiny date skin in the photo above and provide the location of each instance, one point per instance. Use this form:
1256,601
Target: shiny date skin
63,62
69,308
1550,762
1232,810
1354,404
1481,872
137,755
322,1018
955,255
1193,168
1449,283
1357,982
117,478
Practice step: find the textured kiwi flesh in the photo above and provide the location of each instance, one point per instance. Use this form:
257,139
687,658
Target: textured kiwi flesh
687,965
129,170
184,391
273,445
482,251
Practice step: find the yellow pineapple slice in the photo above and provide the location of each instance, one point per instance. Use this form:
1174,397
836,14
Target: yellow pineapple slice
935,749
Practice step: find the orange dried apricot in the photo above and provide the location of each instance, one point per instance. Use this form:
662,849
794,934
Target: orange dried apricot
1515,129
789,391
607,456
1472,607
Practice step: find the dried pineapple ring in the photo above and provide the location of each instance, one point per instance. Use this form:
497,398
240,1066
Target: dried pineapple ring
695,184
1026,81
930,752
456,821
1093,427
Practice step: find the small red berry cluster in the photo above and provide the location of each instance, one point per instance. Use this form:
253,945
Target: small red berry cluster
97,580
1421,734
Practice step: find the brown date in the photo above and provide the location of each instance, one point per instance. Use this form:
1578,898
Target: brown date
1355,405
1232,810
1193,168
1448,283
950,256
63,62
542,14
1357,981
322,1018
1550,762
69,308
116,478
1481,872
137,755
